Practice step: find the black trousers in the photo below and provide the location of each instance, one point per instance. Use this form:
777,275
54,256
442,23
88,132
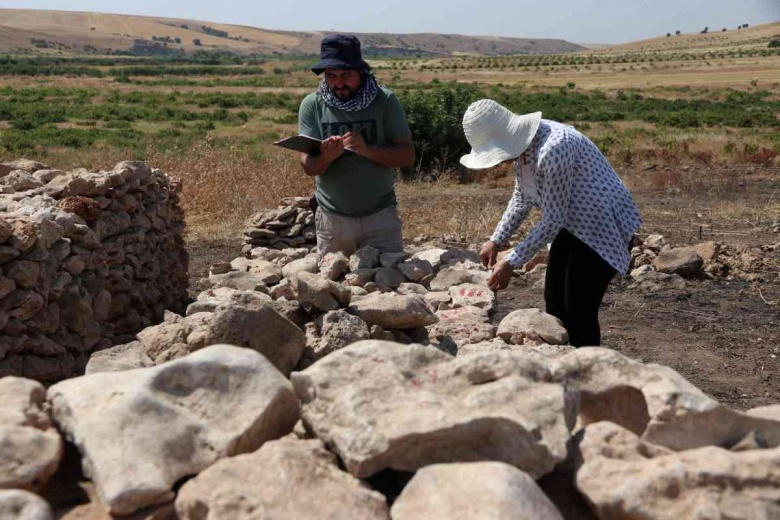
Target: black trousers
576,281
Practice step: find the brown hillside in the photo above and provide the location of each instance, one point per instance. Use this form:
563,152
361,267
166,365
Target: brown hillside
714,39
37,31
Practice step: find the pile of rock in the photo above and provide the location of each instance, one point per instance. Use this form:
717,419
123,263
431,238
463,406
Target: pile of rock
295,309
487,434
302,388
86,260
657,266
289,225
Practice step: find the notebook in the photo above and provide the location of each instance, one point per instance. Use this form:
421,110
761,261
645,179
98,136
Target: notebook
305,144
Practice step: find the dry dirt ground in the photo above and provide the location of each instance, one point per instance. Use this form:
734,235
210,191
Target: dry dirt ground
723,335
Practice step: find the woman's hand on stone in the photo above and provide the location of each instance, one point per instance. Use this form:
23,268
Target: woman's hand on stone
488,254
499,279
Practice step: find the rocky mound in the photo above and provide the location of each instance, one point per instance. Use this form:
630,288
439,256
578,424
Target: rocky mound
377,386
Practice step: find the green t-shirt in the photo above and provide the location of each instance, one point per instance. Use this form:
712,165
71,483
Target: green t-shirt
353,185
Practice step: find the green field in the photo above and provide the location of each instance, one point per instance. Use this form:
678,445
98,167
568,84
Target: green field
171,104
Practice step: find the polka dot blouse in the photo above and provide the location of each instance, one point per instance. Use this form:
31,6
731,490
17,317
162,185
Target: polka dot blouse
571,181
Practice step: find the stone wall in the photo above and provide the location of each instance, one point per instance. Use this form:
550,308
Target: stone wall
87,259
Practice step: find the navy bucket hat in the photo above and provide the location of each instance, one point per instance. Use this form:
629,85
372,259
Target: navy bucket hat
340,51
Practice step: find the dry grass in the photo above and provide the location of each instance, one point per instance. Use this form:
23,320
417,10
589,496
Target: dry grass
223,186
468,212
690,205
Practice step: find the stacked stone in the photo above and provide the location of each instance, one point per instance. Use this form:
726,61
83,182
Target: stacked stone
86,260
289,225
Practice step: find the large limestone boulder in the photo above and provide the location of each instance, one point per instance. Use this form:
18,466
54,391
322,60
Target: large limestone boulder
30,449
268,272
452,276
164,341
392,259
16,504
389,277
394,311
312,290
209,300
295,479
385,405
683,261
259,327
473,491
306,264
415,269
334,265
432,256
607,439
461,257
336,330
532,326
703,483
140,431
360,277
239,280
364,258
119,358
654,401
708,251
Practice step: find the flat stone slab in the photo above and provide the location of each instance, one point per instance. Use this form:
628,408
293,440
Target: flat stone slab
383,405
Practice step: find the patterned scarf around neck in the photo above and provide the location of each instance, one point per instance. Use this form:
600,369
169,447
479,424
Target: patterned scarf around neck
363,97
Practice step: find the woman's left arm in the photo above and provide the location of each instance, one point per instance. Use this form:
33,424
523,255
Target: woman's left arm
557,166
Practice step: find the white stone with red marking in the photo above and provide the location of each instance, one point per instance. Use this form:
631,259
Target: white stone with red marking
469,294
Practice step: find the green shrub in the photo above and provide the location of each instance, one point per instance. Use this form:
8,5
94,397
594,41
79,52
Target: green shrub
435,117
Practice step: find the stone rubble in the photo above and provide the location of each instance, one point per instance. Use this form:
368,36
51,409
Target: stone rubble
394,364
664,267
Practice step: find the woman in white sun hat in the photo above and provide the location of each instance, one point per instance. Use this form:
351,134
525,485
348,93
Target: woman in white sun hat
587,212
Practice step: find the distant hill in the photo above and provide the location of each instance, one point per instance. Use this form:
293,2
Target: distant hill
713,40
26,31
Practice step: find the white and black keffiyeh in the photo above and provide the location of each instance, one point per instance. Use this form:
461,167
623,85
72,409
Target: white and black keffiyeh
361,100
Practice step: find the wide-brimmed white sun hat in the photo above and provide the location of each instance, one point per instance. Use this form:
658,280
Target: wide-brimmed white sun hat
496,134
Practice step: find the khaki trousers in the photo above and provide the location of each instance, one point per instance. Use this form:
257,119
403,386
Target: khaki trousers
381,230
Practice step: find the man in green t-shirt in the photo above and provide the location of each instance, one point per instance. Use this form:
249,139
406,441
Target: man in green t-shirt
364,136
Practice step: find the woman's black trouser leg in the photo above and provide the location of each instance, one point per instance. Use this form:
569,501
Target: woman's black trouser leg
555,277
576,281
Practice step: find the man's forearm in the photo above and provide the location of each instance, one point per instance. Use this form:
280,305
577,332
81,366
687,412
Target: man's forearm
395,156
314,165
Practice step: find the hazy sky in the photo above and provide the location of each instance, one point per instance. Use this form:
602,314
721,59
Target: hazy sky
581,21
